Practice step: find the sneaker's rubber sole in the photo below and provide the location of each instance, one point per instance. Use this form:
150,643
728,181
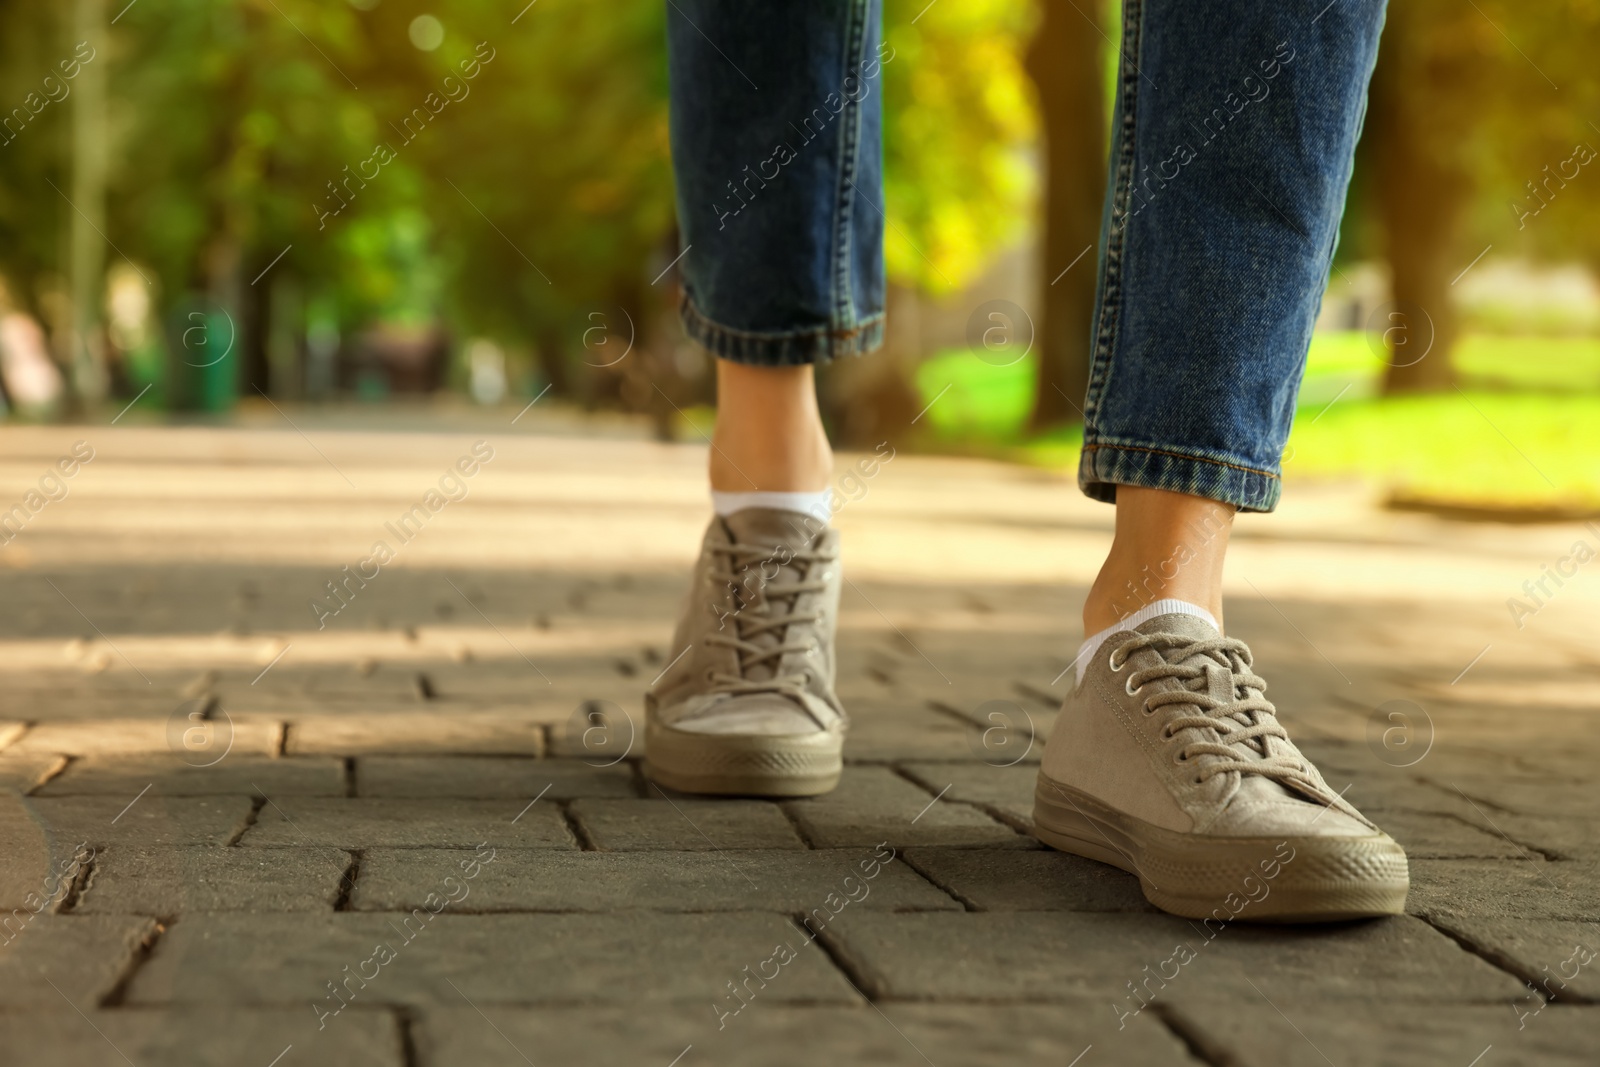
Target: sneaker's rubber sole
1294,878
802,765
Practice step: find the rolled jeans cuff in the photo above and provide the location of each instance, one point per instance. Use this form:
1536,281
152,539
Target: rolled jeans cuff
787,348
1104,466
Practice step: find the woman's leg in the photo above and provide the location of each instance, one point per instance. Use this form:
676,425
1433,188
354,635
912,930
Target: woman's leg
776,148
1235,127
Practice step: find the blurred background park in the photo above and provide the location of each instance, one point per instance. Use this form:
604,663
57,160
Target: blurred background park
391,212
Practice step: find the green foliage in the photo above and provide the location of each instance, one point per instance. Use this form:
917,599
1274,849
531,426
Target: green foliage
1510,88
1505,450
960,130
540,187
1523,434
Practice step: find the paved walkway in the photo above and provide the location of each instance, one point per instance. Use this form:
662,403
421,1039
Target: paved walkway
406,826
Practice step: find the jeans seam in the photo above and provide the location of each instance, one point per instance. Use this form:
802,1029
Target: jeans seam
1108,318
849,138
779,348
689,308
1191,457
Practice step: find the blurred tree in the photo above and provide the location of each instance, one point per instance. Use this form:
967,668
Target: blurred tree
1067,63
959,183
273,162
1470,105
236,120
35,128
1428,61
960,133
552,183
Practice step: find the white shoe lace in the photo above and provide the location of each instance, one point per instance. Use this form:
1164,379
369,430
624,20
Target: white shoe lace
1243,725
774,615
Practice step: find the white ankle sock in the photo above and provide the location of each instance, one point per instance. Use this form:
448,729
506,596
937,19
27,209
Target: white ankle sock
1092,644
818,504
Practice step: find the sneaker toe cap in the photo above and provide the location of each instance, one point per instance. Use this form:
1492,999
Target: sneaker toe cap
756,715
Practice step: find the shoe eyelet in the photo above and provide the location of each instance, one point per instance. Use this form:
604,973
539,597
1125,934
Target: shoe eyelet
1127,686
1111,661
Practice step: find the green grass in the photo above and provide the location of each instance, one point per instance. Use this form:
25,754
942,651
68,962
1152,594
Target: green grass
1524,431
1490,449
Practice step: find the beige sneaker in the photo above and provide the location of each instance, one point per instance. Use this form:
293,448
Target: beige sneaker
1169,762
748,707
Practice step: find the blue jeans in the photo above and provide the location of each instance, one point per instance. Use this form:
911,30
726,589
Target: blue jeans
1232,141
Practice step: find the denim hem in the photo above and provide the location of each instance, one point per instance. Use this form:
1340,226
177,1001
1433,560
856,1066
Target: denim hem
1103,467
790,348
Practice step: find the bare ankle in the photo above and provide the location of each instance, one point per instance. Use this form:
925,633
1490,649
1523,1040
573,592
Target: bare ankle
769,434
1167,546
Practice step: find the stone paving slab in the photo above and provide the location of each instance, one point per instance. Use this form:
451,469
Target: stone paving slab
1247,1031
1556,836
967,581
797,882
171,776
1370,784
1430,835
1006,789
771,1034
434,731
105,820
1018,956
1530,889
21,772
601,730
683,825
1441,761
185,881
39,876
1560,957
115,1038
489,777
375,822
67,700
46,841
1577,799
906,729
198,740
1045,880
873,804
621,958
47,961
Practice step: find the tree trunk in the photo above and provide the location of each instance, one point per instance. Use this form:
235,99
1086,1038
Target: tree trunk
866,401
1064,61
1421,195
87,242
